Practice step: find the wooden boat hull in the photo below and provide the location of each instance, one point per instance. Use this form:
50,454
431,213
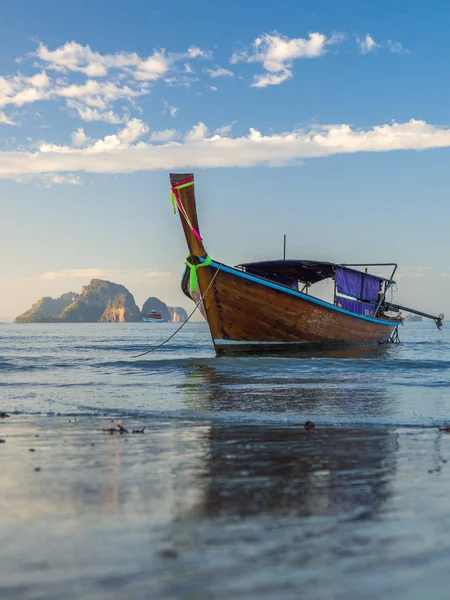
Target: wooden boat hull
254,315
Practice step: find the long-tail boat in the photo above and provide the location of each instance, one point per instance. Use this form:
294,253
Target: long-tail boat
268,305
153,317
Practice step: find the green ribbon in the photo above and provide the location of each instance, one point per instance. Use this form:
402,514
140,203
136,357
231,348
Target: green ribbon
174,202
172,193
193,278
183,185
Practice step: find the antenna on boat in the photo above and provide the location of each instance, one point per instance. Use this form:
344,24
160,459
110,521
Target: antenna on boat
284,248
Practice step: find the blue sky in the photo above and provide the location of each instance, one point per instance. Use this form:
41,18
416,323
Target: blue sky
327,121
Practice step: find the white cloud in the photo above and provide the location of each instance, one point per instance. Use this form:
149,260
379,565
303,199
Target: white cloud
118,154
366,44
70,274
73,57
213,88
408,275
40,80
91,100
133,131
79,138
415,268
6,91
97,93
219,72
122,139
179,81
93,114
276,53
164,135
396,47
271,78
172,110
5,120
240,55
197,133
144,275
195,52
224,130
76,58
153,67
29,95
111,79
49,179
19,90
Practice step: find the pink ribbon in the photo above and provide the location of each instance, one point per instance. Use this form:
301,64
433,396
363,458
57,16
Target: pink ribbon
180,206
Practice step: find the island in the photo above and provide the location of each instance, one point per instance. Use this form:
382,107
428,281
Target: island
412,318
99,302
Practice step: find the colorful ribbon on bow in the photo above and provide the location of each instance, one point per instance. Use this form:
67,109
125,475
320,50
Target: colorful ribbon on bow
193,278
176,200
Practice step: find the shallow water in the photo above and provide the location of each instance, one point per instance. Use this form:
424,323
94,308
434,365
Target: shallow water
88,369
225,495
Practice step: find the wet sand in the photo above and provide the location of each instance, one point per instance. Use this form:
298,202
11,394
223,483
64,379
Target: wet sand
215,510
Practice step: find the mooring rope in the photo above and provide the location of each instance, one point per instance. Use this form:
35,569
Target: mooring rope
183,324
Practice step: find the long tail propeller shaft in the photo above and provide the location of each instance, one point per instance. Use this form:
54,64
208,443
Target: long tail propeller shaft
438,320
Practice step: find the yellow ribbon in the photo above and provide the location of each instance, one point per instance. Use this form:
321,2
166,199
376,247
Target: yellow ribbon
193,278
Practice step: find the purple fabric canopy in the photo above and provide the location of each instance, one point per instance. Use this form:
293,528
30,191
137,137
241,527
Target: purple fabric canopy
358,285
371,288
360,308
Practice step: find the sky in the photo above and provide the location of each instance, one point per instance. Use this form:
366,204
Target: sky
326,121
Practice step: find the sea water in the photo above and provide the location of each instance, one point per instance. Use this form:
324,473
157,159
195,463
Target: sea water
225,494
89,369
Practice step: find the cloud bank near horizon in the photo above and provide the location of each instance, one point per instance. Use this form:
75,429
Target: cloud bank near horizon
125,152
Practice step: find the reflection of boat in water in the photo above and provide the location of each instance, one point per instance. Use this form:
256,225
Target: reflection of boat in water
260,460
153,317
275,470
268,305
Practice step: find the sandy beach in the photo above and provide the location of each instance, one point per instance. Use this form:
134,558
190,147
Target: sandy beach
213,510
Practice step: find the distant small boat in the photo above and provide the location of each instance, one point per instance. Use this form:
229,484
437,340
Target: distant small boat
153,317
268,305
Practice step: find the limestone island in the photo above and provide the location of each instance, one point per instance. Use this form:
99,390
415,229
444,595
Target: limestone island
99,302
